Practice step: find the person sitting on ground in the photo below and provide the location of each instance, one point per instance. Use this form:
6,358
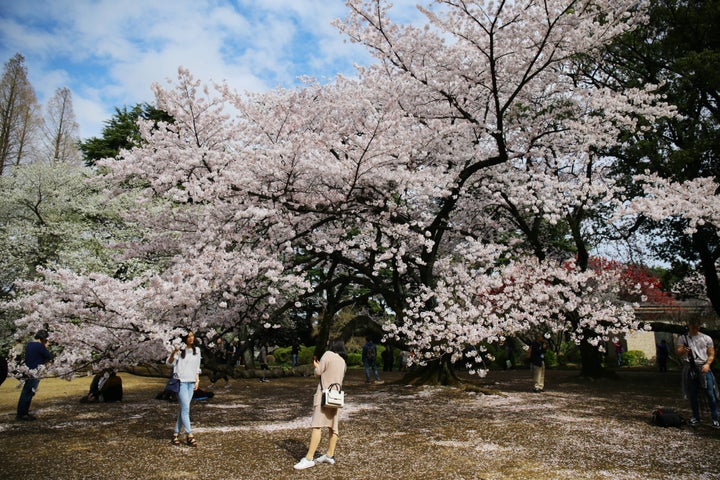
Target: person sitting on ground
201,394
105,387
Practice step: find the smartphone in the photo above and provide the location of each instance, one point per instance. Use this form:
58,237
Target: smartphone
314,358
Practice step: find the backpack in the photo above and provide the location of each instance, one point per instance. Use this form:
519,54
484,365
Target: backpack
371,354
666,417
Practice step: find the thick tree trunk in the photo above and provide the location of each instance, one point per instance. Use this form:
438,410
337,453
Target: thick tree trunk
592,362
324,331
438,372
708,262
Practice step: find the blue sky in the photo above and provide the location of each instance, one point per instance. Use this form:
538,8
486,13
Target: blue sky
109,52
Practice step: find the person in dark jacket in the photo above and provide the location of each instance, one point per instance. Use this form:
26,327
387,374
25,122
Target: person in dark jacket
36,354
663,353
388,358
3,369
369,356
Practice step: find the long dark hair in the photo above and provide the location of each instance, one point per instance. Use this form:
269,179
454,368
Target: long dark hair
184,340
338,346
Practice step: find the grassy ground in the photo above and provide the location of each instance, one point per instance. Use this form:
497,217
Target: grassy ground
576,429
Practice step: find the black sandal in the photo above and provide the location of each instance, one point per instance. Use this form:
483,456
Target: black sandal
175,439
191,441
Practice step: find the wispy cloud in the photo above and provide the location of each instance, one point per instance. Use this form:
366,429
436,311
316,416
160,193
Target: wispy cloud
109,53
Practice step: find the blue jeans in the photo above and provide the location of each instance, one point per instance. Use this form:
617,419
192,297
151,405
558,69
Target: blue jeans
368,367
185,395
706,385
28,392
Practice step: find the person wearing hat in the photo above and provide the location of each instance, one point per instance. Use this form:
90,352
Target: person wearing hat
36,354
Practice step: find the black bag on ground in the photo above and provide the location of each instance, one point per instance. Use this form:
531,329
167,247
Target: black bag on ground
666,417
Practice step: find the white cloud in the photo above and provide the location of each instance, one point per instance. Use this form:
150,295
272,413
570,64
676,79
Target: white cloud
109,53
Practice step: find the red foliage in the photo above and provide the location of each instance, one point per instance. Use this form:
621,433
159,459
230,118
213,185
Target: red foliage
633,275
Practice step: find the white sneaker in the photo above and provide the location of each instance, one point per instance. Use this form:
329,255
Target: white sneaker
304,463
325,459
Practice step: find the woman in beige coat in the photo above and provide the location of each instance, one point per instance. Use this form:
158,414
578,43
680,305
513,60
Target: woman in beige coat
331,369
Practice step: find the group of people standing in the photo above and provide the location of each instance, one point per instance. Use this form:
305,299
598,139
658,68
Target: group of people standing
695,350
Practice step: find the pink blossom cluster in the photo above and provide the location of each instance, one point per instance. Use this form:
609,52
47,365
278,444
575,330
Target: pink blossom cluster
412,181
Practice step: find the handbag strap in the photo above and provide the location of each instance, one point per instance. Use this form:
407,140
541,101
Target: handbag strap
323,388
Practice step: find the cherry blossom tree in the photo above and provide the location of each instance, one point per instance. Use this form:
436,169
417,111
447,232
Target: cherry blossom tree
513,133
437,181
677,49
695,205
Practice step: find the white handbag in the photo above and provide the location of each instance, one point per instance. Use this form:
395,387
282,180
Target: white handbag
333,396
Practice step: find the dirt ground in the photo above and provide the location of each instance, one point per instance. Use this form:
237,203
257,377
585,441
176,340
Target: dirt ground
577,429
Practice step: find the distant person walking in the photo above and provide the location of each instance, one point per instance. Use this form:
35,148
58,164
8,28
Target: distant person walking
388,358
331,369
618,352
295,353
537,362
698,353
36,354
262,359
662,353
369,359
509,353
404,360
186,366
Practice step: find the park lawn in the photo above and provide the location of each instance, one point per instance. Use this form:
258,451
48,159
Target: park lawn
577,429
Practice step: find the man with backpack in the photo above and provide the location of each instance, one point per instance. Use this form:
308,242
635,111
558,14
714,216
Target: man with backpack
697,351
369,357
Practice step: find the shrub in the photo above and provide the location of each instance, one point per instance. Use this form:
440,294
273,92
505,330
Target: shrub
634,358
550,359
354,359
570,353
283,355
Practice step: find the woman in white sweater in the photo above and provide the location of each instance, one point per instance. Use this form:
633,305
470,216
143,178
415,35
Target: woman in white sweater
186,367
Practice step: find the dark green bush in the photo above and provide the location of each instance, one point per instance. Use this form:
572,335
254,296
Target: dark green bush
354,359
634,358
283,355
550,359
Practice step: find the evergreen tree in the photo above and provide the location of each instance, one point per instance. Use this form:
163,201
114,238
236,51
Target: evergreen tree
679,50
120,132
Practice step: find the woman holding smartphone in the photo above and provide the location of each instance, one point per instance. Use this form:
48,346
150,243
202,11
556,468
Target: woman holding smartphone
331,369
186,368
